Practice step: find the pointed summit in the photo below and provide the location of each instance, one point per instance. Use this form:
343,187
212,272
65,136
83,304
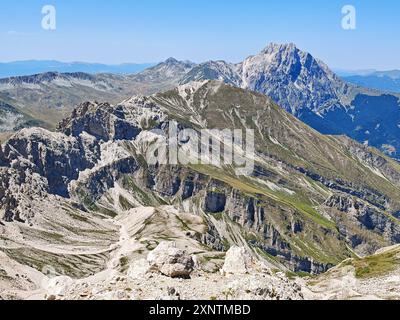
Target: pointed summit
174,63
291,77
279,47
165,74
171,60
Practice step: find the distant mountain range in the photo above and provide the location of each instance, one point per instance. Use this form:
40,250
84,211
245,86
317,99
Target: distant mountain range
307,88
44,99
381,80
294,79
348,73
22,68
366,72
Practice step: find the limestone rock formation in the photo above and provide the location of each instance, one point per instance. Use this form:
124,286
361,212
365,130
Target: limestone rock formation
170,261
237,261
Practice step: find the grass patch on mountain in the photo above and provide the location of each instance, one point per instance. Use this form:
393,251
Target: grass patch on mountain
124,203
146,198
377,265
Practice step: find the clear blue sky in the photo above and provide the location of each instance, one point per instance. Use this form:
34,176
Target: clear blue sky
151,30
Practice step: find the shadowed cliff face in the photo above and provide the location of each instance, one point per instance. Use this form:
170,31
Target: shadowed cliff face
310,201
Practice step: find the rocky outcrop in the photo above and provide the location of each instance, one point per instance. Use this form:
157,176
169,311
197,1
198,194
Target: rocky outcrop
366,217
170,261
18,189
53,156
237,261
102,121
139,269
58,286
114,163
244,278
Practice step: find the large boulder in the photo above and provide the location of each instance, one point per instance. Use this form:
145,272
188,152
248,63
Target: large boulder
238,261
170,261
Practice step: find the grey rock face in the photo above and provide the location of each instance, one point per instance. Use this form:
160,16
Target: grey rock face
101,121
238,261
170,261
54,156
365,217
17,191
292,78
97,181
3,159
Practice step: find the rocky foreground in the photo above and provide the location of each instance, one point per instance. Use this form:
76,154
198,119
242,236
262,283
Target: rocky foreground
170,273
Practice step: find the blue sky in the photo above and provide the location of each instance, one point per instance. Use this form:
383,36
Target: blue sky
152,30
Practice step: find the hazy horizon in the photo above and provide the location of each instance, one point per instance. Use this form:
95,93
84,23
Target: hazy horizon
333,68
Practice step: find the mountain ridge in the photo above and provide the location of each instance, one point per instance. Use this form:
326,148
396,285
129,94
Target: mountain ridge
298,82
26,67
307,88
49,97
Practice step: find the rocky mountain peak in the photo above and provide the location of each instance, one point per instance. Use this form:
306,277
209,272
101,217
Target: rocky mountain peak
174,63
171,60
285,61
169,71
279,47
291,77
